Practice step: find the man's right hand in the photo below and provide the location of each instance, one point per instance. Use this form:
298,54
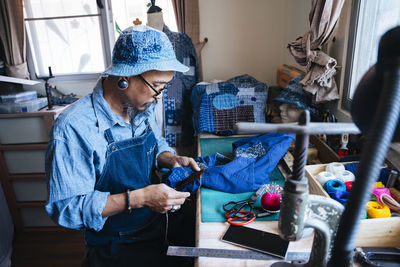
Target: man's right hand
158,197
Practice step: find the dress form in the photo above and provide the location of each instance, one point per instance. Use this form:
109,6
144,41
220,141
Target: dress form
155,20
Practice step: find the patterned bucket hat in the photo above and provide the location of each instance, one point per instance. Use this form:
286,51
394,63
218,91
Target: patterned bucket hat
141,48
295,95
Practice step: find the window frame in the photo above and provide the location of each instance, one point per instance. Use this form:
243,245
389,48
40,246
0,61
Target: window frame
107,35
352,34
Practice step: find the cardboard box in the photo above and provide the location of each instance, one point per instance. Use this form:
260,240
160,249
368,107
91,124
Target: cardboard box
380,232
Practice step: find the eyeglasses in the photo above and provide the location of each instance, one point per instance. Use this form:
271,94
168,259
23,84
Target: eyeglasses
166,86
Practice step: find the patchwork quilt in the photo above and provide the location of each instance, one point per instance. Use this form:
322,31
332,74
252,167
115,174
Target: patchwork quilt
218,106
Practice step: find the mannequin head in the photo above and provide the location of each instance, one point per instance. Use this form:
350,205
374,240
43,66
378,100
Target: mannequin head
289,113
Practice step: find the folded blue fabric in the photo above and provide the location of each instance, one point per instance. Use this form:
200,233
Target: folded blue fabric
255,159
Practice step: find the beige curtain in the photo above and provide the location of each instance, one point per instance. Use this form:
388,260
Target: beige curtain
12,36
187,18
307,50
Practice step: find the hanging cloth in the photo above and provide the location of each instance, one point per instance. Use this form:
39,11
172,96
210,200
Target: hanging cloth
306,50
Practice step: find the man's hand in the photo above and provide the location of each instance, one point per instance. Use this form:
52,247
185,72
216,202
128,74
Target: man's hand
169,161
158,197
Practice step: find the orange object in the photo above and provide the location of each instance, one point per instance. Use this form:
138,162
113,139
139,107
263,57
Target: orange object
286,73
137,21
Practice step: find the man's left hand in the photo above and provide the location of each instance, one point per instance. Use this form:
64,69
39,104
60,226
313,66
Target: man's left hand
170,161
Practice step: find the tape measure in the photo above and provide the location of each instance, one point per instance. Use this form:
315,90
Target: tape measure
233,254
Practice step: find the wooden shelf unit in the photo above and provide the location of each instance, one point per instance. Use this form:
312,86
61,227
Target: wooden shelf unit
23,141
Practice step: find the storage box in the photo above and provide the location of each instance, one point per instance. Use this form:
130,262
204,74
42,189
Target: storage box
18,97
381,232
24,106
285,73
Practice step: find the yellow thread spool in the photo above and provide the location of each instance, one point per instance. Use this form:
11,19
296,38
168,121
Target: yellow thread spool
377,210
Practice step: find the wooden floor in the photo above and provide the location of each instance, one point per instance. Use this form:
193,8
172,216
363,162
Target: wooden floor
48,249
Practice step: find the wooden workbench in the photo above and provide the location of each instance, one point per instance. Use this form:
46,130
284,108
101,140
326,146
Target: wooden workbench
208,235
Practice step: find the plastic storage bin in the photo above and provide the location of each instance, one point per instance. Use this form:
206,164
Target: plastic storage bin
18,97
24,106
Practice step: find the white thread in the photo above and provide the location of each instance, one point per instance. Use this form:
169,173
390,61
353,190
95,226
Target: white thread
325,176
345,176
334,167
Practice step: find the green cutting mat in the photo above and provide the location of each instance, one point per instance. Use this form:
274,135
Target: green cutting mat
212,201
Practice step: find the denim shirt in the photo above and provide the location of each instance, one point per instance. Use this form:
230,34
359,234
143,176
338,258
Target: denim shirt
75,158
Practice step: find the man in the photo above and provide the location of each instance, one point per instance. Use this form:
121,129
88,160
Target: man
103,152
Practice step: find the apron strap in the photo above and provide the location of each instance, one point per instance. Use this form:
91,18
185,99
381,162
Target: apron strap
109,136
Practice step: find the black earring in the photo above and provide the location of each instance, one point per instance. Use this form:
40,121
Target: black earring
123,84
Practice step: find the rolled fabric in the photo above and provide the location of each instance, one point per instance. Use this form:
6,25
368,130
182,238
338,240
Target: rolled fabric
325,176
379,191
345,176
395,194
334,167
334,185
349,185
340,196
377,210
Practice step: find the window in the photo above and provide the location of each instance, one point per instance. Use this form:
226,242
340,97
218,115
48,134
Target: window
370,20
75,37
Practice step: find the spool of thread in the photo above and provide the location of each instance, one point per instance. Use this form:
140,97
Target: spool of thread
377,210
395,194
334,185
345,176
325,176
379,191
349,185
334,167
340,196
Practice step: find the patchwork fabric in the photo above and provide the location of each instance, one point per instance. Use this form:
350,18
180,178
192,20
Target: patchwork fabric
218,106
178,128
224,119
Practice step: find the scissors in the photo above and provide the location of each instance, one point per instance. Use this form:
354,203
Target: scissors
240,213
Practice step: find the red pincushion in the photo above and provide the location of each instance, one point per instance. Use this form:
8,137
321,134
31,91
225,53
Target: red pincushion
271,201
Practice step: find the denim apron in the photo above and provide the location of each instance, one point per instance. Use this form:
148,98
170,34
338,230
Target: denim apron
130,164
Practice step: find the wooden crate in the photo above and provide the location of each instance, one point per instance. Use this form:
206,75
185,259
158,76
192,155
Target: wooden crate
380,232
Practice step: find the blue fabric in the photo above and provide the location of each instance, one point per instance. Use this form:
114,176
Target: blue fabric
255,159
383,175
295,95
177,119
141,48
218,106
130,164
76,154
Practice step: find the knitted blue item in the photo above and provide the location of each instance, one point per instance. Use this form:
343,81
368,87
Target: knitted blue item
141,48
331,186
340,196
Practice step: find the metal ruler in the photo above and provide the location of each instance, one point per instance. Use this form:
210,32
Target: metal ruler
233,254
